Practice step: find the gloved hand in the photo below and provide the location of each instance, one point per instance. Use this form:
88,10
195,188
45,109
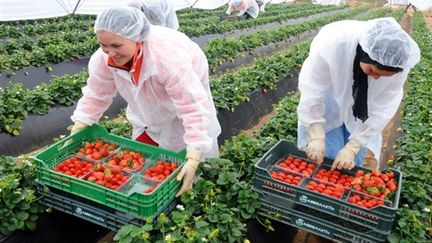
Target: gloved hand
315,150
78,126
187,173
345,157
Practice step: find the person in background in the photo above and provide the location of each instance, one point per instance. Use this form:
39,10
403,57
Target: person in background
157,12
351,85
163,76
410,5
247,8
262,4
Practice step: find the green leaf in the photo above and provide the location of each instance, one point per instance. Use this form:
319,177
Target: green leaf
125,230
147,227
31,225
393,238
22,215
201,224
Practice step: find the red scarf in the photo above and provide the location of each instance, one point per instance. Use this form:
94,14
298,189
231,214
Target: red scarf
133,66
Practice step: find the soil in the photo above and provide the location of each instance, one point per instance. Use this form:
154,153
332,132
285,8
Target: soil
257,127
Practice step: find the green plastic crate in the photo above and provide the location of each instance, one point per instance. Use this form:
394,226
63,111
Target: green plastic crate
378,218
137,204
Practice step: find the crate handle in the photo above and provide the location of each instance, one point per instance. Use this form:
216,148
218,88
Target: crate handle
268,157
64,143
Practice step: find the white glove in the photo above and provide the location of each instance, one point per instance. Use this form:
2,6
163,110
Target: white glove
345,157
315,150
78,126
187,173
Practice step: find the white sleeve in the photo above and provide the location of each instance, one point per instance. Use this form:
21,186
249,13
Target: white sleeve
98,93
192,103
230,9
241,13
314,80
384,99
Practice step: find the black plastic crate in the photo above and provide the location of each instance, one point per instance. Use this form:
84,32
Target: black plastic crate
378,218
320,223
89,210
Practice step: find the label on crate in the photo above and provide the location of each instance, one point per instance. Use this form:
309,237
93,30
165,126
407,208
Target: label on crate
312,226
91,215
305,199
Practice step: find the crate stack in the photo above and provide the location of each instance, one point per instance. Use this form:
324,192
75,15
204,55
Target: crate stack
107,179
290,195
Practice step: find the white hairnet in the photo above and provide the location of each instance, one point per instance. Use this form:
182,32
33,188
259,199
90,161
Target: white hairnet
158,12
236,2
388,44
127,22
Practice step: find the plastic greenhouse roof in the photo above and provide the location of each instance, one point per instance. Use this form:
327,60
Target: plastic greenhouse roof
11,10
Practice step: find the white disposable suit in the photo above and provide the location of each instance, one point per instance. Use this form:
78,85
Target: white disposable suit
326,80
244,6
158,12
172,101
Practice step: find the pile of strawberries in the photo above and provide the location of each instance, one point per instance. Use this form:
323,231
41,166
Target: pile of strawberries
329,189
96,150
298,165
365,189
74,167
373,188
127,160
160,170
109,177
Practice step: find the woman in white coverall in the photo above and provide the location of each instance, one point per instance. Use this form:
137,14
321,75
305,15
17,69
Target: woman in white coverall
247,8
163,76
158,12
351,85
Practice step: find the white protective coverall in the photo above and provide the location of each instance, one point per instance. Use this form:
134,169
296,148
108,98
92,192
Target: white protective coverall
244,6
326,80
158,12
172,101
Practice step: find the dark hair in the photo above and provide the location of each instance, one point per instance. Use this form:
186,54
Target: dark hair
388,68
364,57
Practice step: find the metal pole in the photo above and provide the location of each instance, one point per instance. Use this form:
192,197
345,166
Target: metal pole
76,7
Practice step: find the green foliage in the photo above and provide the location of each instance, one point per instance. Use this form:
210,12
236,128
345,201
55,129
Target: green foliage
12,108
212,24
120,128
19,208
414,156
219,50
16,102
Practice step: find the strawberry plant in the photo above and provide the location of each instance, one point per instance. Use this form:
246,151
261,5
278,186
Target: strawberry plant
19,208
12,109
38,100
414,217
123,128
